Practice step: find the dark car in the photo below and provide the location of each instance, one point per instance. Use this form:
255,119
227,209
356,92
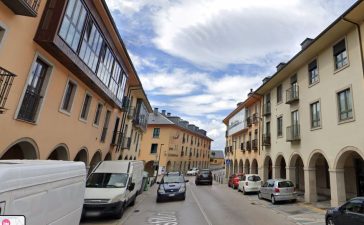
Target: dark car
351,213
172,187
234,180
204,177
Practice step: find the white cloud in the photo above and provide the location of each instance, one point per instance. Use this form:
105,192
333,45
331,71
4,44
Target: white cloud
143,63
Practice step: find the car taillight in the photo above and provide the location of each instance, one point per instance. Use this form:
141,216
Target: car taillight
247,183
276,190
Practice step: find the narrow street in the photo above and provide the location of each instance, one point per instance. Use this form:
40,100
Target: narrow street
213,205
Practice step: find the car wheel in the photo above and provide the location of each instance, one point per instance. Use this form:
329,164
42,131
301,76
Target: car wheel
330,221
259,195
119,213
273,199
132,203
158,200
244,193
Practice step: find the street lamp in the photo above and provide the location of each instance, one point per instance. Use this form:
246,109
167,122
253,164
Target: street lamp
159,158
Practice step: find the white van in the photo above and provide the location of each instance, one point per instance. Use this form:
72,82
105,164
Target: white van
112,186
44,191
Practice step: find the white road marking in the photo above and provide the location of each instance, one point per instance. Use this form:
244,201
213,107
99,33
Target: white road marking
201,209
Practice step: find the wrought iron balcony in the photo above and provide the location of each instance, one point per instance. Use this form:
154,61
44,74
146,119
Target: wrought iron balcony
6,80
255,144
249,121
248,146
266,109
30,104
242,147
293,133
23,7
292,94
266,139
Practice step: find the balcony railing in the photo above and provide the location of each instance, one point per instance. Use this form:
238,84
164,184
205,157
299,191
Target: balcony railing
293,133
266,109
6,80
249,121
248,146
30,104
23,7
266,139
242,147
255,144
292,94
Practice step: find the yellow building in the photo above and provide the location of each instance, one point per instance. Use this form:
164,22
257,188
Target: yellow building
174,143
243,133
217,159
66,81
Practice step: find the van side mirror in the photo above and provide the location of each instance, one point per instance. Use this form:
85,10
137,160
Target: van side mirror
131,187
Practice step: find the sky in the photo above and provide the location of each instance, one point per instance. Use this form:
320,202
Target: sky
198,58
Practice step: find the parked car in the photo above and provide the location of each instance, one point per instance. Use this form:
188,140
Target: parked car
172,187
234,180
250,183
192,172
278,190
352,212
112,186
204,176
44,191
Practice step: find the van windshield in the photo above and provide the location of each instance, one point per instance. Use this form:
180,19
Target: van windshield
107,180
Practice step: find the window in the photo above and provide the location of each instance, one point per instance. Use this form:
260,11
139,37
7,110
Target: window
105,65
86,106
98,113
91,45
354,206
279,94
340,55
280,126
72,23
156,132
2,33
313,72
106,126
154,149
34,92
315,115
345,105
69,96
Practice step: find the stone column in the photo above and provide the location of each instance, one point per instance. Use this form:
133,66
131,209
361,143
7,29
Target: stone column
310,185
291,174
337,186
261,173
276,172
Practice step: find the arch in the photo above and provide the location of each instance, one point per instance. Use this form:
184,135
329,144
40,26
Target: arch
107,157
168,167
120,157
131,158
268,168
96,158
241,166
82,156
149,167
23,148
247,166
134,158
126,157
312,158
60,152
350,160
254,166
280,166
296,168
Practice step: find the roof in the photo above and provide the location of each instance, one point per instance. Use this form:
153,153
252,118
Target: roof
218,154
15,174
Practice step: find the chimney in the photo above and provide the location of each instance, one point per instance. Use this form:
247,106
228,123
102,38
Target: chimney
280,66
306,43
168,114
250,93
266,79
156,111
163,112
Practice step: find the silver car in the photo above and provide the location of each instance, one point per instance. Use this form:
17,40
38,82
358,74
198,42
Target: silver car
278,190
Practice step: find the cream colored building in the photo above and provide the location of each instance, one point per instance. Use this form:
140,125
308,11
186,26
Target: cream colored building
314,129
243,133
217,159
74,81
174,143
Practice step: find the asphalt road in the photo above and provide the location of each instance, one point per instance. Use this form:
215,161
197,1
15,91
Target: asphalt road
204,205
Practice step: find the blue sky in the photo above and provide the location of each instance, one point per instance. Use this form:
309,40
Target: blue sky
198,58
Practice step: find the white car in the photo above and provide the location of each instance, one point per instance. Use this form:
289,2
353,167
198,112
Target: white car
250,183
192,172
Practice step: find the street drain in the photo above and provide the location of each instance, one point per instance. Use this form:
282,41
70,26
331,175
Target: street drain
137,210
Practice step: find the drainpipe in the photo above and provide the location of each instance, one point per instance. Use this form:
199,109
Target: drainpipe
132,88
360,42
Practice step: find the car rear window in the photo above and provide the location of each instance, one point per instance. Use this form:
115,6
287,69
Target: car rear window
253,178
285,184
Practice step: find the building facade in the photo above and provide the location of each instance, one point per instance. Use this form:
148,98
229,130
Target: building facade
217,159
65,82
174,144
243,136
313,114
